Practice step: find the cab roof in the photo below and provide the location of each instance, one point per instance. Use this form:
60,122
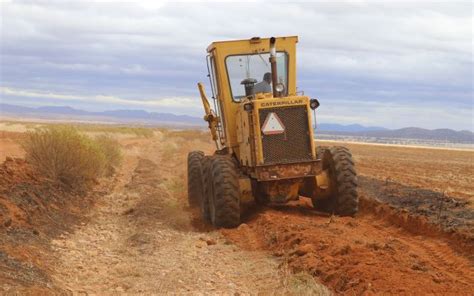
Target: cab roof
253,40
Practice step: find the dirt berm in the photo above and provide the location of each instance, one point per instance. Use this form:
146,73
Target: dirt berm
383,250
33,210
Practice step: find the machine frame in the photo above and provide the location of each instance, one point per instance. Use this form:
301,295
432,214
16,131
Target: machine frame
231,130
255,161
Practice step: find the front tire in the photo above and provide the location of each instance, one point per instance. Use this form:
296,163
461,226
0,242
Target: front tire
195,178
224,203
344,200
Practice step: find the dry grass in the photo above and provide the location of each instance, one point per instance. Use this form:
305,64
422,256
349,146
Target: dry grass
112,129
189,135
23,126
301,283
110,147
66,156
304,284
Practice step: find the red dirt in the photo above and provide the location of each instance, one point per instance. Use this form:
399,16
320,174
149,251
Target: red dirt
414,233
401,242
33,210
363,255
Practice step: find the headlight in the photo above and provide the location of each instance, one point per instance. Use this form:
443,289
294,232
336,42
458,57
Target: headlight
248,107
279,87
313,103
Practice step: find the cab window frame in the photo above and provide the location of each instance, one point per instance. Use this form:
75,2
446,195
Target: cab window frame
251,54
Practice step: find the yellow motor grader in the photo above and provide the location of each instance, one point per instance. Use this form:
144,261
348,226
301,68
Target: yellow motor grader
262,128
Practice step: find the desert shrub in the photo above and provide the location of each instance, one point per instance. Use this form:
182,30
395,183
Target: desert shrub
189,135
110,147
120,129
63,154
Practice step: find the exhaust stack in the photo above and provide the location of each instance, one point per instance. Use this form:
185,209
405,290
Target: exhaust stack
274,67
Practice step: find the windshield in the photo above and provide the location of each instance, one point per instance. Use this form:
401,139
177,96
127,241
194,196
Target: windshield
257,67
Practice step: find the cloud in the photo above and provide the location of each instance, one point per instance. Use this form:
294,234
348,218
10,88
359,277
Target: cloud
417,55
398,114
178,102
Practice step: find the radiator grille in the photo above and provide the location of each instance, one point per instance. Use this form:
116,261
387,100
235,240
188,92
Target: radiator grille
293,145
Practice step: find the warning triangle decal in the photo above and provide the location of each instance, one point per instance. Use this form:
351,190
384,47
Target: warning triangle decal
272,125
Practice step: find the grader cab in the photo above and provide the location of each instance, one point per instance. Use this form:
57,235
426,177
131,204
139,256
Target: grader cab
262,128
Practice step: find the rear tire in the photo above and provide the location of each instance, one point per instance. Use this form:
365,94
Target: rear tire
224,203
207,192
195,178
320,151
343,178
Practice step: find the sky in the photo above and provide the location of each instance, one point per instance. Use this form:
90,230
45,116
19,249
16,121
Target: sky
378,63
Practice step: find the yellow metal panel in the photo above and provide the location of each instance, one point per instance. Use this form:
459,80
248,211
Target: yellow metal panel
221,50
311,131
243,137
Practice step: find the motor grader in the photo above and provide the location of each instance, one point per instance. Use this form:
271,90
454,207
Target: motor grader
265,149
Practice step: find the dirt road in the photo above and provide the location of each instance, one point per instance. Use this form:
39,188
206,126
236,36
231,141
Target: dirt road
139,240
140,237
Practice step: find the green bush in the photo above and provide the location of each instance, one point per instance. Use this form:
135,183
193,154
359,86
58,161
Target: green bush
64,155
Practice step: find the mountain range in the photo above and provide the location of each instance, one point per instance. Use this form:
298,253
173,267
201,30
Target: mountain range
416,133
120,116
155,118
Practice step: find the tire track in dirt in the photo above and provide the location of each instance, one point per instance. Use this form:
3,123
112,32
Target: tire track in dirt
366,254
431,248
442,258
139,239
